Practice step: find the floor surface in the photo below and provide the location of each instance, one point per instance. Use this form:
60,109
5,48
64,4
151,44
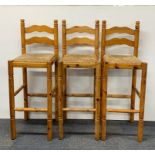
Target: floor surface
79,135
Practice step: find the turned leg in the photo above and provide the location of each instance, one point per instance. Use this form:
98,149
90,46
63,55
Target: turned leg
26,113
64,91
94,91
60,101
56,91
133,93
49,101
142,102
12,101
97,102
104,100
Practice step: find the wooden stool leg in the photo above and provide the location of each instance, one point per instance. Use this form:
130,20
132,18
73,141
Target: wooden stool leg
142,102
94,91
104,100
26,113
56,91
97,102
49,101
60,101
65,91
133,93
12,101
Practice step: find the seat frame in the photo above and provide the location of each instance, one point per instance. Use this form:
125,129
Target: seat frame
62,75
104,74
24,65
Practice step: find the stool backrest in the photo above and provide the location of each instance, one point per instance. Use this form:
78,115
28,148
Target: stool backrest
80,41
120,41
39,40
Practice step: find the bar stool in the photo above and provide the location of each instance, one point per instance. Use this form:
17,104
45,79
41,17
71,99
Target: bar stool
89,61
123,62
36,60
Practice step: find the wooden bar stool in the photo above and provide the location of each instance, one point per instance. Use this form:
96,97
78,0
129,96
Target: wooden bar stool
123,62
27,60
79,61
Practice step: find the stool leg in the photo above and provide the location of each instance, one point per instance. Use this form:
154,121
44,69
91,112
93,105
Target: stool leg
133,93
94,91
65,91
12,101
60,101
56,91
142,102
97,102
26,113
104,100
49,101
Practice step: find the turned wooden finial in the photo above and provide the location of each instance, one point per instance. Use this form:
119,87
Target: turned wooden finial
104,23
22,20
97,23
55,23
137,26
64,23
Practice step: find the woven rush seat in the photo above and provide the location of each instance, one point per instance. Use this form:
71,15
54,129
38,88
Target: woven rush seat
79,59
122,59
42,58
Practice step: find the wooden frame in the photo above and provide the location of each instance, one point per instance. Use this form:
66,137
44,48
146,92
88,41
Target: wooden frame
63,109
104,74
31,64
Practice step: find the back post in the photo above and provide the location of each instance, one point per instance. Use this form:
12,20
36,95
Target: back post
56,37
56,48
22,24
97,39
137,29
63,37
103,40
26,113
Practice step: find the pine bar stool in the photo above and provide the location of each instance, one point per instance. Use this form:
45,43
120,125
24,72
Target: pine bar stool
79,61
123,62
44,60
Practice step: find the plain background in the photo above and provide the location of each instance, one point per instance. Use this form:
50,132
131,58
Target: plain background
81,80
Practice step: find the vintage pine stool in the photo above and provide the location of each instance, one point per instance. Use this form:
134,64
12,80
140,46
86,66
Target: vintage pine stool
123,62
79,61
43,60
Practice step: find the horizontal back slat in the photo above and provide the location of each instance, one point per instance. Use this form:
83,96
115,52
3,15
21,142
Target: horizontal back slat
80,41
119,41
117,29
39,28
42,40
80,29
